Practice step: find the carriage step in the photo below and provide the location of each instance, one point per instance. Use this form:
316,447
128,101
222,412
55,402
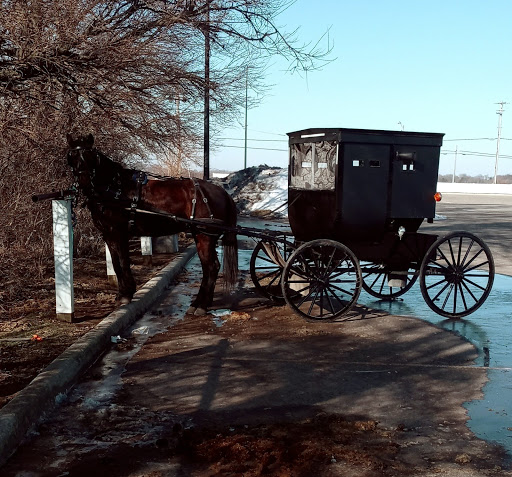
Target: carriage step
397,279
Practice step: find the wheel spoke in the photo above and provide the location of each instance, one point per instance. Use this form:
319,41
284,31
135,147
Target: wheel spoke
463,297
470,246
442,290
486,263
474,284
454,289
473,259
436,284
382,284
443,256
277,276
460,251
375,281
335,296
313,301
448,294
269,274
306,297
266,258
451,252
469,291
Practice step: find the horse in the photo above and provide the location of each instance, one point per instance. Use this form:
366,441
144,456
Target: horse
127,203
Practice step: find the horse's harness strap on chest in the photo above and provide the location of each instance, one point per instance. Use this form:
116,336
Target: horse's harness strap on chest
197,187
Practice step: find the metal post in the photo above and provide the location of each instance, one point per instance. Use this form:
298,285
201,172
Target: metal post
454,165
63,255
500,114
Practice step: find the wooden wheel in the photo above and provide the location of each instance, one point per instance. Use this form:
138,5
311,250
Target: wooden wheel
376,280
267,262
457,274
321,280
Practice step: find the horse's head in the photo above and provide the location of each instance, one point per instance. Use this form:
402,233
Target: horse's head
83,159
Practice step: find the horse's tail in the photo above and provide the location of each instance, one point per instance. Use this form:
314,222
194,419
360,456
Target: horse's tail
230,260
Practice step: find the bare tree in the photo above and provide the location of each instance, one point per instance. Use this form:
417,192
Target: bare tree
129,71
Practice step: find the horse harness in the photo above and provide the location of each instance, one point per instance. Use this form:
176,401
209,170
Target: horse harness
141,179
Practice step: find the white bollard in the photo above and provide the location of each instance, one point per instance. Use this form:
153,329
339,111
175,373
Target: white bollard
147,250
63,255
111,274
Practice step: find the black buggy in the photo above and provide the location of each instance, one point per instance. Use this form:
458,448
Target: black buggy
355,203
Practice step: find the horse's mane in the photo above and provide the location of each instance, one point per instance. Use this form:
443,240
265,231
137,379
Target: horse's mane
109,167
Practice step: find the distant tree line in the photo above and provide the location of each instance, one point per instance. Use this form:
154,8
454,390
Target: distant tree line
478,179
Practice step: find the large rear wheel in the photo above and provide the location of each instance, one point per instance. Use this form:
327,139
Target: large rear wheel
457,274
321,280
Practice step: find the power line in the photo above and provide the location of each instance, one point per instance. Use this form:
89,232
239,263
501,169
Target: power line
256,140
444,152
259,148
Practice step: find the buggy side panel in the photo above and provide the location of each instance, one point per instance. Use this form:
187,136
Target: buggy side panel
364,189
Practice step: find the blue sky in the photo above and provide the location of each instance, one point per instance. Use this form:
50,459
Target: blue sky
436,66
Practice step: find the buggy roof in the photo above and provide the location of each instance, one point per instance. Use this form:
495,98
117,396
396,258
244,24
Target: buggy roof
368,136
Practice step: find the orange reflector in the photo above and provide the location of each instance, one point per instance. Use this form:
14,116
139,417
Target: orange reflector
438,196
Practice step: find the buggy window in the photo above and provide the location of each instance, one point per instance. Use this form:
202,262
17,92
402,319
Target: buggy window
313,165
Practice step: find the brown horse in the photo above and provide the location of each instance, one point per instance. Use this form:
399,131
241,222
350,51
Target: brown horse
124,202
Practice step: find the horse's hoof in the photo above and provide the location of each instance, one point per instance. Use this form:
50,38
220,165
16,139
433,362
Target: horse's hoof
191,310
200,312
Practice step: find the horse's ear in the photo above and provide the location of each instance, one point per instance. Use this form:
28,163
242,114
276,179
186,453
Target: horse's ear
69,138
89,140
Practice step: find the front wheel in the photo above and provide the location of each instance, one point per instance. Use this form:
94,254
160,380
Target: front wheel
457,274
321,280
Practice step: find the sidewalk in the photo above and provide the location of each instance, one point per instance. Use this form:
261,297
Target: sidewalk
39,398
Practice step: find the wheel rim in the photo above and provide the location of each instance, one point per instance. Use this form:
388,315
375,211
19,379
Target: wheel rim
321,280
375,281
457,274
266,267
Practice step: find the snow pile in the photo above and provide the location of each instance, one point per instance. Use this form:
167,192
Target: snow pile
259,190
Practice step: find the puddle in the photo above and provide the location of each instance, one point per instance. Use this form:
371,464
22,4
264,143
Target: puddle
98,393
490,330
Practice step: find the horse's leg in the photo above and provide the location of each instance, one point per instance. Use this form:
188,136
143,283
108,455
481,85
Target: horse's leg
119,251
210,264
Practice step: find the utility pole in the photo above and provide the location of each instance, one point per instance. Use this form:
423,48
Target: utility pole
454,165
206,148
500,114
245,143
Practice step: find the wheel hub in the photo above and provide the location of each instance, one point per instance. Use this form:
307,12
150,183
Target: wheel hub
456,275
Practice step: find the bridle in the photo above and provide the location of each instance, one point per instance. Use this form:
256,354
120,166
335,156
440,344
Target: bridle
82,166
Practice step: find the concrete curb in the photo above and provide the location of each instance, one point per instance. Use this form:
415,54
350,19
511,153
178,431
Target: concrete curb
31,404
